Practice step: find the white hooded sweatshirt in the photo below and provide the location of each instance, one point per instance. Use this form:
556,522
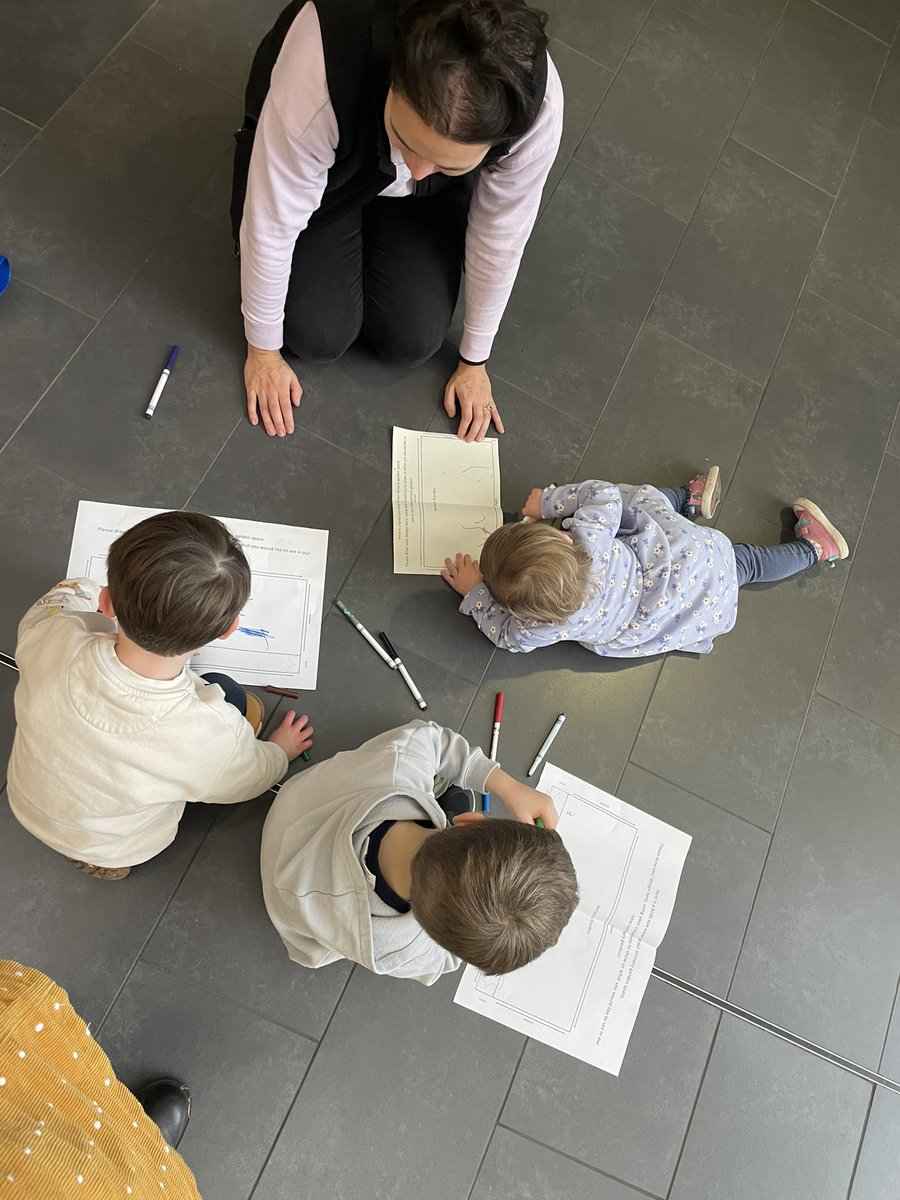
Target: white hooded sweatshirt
317,890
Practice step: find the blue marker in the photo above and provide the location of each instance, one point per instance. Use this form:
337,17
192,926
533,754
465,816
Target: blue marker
548,742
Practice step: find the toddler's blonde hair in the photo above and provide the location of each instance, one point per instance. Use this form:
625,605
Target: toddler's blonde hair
534,573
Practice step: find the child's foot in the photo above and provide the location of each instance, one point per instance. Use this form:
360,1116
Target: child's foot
703,496
100,872
453,799
256,712
814,527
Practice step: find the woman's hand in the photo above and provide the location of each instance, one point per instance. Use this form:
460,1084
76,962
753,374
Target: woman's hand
471,388
462,573
272,387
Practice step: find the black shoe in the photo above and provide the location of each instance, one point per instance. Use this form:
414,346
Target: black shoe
456,800
168,1105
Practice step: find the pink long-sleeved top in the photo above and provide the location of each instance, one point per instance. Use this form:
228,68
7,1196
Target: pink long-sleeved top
295,146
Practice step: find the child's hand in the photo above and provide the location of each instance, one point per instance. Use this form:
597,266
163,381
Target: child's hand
293,735
532,509
523,802
462,574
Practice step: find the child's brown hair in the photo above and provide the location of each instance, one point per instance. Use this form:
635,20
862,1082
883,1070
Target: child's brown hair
177,580
494,893
534,573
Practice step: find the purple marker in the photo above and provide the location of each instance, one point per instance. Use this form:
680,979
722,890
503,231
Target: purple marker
163,380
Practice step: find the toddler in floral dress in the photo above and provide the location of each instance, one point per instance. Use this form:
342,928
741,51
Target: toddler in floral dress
629,574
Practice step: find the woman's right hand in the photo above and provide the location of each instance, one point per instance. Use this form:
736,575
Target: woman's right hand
272,390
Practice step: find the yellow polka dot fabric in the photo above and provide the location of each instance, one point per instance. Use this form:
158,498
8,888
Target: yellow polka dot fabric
68,1128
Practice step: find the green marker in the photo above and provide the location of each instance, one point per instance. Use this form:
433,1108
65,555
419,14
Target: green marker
304,754
539,823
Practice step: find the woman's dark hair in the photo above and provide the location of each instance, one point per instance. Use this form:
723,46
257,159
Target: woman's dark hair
467,67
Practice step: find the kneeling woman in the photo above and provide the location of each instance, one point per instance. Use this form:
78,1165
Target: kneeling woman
385,145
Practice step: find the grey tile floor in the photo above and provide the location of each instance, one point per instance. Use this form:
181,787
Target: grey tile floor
716,273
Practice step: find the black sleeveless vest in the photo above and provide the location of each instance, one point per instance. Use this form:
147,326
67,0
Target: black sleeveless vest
357,40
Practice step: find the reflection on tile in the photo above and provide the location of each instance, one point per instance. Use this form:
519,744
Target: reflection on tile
35,535
359,696
584,86
222,939
587,279
602,29
518,1169
821,952
446,1072
807,104
214,39
72,39
878,17
212,201
632,1126
718,884
744,703
90,426
604,699
52,913
355,402
735,280
809,437
298,480
243,1072
771,1120
672,411
858,264
667,115
750,23
878,1170
100,184
39,335
862,667
886,103
15,134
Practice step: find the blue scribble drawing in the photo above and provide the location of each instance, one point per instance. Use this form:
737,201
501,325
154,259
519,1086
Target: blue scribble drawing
257,633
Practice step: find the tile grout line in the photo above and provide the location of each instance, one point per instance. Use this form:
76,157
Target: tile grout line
859,1149
527,1137
855,712
208,991
236,96
849,311
155,926
853,24
215,459
500,1108
778,1031
640,726
290,1107
687,1129
781,166
696,796
74,92
18,116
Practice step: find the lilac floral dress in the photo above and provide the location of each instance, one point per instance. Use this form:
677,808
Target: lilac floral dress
659,582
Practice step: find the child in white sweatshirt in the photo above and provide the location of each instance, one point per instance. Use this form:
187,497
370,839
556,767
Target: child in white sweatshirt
114,732
359,861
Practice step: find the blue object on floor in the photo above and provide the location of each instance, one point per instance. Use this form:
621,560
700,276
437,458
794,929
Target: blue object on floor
5,273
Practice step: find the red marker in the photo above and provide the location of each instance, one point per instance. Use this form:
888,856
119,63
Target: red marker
498,717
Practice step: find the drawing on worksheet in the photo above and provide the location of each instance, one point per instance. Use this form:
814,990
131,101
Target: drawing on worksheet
583,995
445,498
277,639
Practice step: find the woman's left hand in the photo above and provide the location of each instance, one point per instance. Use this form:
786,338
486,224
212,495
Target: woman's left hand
462,574
470,387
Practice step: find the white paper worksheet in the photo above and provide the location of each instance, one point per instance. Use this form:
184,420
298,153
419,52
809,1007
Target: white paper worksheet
446,498
277,640
582,996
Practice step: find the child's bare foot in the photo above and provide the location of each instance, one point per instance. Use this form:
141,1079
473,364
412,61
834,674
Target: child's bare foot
703,495
814,527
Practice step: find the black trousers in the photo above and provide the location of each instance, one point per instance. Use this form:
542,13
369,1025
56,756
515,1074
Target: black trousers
389,272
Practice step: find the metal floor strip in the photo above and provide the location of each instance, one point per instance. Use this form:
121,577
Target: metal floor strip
742,1014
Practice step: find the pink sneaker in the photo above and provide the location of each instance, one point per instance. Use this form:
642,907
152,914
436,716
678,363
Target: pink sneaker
703,495
814,527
